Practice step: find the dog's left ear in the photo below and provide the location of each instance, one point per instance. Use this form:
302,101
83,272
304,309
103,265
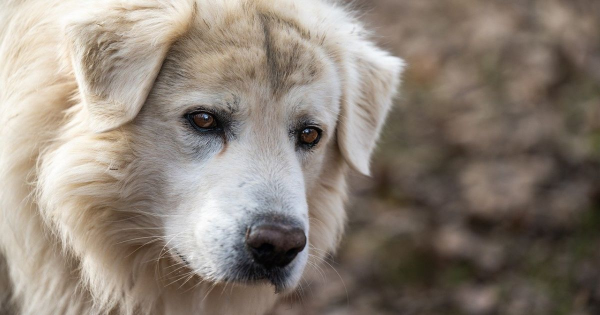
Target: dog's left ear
117,52
373,78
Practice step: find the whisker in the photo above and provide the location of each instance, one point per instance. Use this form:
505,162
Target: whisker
141,246
138,238
342,280
192,274
207,293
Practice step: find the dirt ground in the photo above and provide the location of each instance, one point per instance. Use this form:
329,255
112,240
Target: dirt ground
485,197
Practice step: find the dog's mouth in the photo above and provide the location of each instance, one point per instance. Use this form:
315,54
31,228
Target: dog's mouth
248,273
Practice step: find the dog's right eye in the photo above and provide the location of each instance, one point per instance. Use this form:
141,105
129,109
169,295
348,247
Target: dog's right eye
203,121
309,137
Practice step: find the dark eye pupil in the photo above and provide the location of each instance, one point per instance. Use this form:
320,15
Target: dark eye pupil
204,120
309,135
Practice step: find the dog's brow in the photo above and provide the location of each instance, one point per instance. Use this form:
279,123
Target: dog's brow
286,57
232,103
304,114
228,104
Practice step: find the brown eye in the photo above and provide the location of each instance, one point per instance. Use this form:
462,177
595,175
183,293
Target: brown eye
310,136
204,120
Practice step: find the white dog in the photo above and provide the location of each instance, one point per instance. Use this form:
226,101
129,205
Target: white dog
178,157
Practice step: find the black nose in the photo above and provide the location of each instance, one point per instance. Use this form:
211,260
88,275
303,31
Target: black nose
275,245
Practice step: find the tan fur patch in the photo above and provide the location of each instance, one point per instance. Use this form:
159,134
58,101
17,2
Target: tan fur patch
285,55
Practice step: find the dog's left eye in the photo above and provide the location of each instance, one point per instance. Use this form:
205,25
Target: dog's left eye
203,121
309,136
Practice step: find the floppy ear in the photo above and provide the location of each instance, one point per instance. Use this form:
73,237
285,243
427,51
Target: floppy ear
117,52
373,77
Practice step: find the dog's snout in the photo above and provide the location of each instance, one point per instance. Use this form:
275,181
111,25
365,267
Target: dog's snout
275,244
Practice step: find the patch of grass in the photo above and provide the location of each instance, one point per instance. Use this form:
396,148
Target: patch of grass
413,267
595,143
456,274
584,243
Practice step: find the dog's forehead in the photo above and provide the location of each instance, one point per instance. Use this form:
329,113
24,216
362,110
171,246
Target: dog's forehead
246,51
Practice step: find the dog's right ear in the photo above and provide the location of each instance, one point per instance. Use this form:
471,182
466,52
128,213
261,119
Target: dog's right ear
372,79
117,52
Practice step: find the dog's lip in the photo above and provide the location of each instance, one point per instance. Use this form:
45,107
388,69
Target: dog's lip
249,273
253,274
274,279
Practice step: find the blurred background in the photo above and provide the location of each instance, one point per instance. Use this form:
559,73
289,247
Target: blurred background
485,197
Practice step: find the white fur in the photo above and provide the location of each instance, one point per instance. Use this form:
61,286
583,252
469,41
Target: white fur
106,188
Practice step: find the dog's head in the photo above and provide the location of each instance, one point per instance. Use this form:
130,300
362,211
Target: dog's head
233,122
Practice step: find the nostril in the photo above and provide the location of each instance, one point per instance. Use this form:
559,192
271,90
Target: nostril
265,248
293,252
275,244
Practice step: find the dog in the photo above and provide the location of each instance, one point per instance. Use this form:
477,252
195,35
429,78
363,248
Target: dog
178,157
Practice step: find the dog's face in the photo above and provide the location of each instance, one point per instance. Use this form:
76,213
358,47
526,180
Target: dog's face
239,131
239,124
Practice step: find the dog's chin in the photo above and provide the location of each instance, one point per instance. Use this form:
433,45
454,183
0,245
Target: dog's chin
284,280
248,273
